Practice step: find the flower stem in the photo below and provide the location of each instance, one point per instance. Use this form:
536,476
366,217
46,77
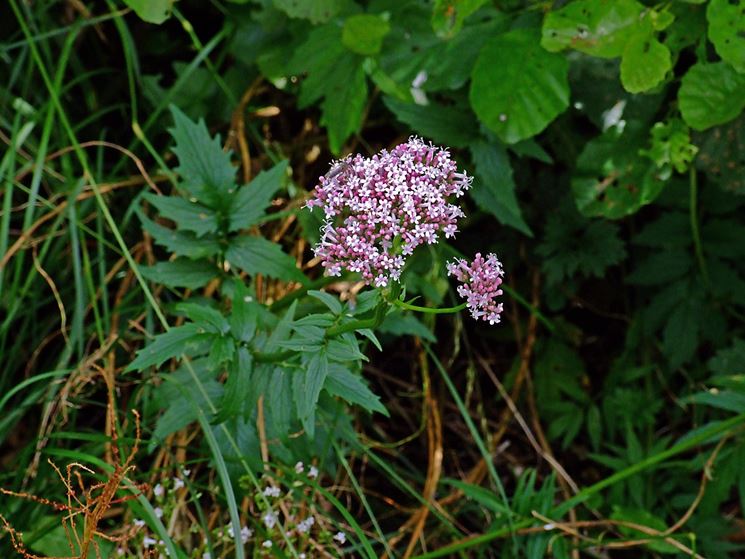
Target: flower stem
695,232
428,310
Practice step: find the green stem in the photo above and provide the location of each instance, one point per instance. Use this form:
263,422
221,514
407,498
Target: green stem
361,324
428,310
260,357
285,301
695,232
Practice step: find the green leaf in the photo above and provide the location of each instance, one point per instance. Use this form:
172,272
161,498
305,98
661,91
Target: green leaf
250,202
711,94
188,216
517,87
720,154
443,124
237,386
448,15
729,361
352,388
680,337
643,518
400,324
197,312
494,188
345,348
174,343
364,33
152,11
256,255
204,167
316,11
244,317
181,272
671,147
645,63
181,243
597,27
727,30
222,351
307,385
327,299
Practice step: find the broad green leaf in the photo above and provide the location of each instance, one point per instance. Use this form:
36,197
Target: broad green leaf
645,63
611,179
327,299
188,216
711,94
181,272
315,11
307,385
181,243
722,399
494,188
681,334
222,351
727,30
352,388
204,167
345,348
251,200
279,406
400,324
152,11
364,33
448,15
197,312
517,87
256,255
173,343
237,386
597,27
446,125
243,318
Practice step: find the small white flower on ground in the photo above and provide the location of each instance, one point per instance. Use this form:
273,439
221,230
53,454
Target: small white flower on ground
271,491
299,467
178,483
158,512
206,555
231,534
246,533
312,472
148,541
158,490
119,551
270,519
139,523
340,537
187,472
267,544
305,525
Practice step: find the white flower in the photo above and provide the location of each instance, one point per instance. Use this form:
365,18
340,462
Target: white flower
158,512
340,537
187,472
312,472
139,523
305,525
148,541
299,467
119,551
267,544
158,490
246,533
206,555
178,483
271,491
270,519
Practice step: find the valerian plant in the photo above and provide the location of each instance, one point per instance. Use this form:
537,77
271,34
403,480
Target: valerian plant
294,359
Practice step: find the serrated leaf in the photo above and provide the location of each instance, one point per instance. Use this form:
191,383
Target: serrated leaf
243,318
307,385
181,243
204,167
448,15
445,125
315,11
711,94
680,336
256,255
400,324
222,351
207,315
494,188
151,11
364,33
181,272
345,348
237,386
188,216
597,27
173,343
352,388
250,202
333,303
517,87
727,30
278,405
645,63
661,268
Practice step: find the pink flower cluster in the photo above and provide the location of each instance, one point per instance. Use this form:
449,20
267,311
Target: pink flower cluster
480,285
379,209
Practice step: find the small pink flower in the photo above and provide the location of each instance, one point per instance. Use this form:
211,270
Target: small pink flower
480,283
378,210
